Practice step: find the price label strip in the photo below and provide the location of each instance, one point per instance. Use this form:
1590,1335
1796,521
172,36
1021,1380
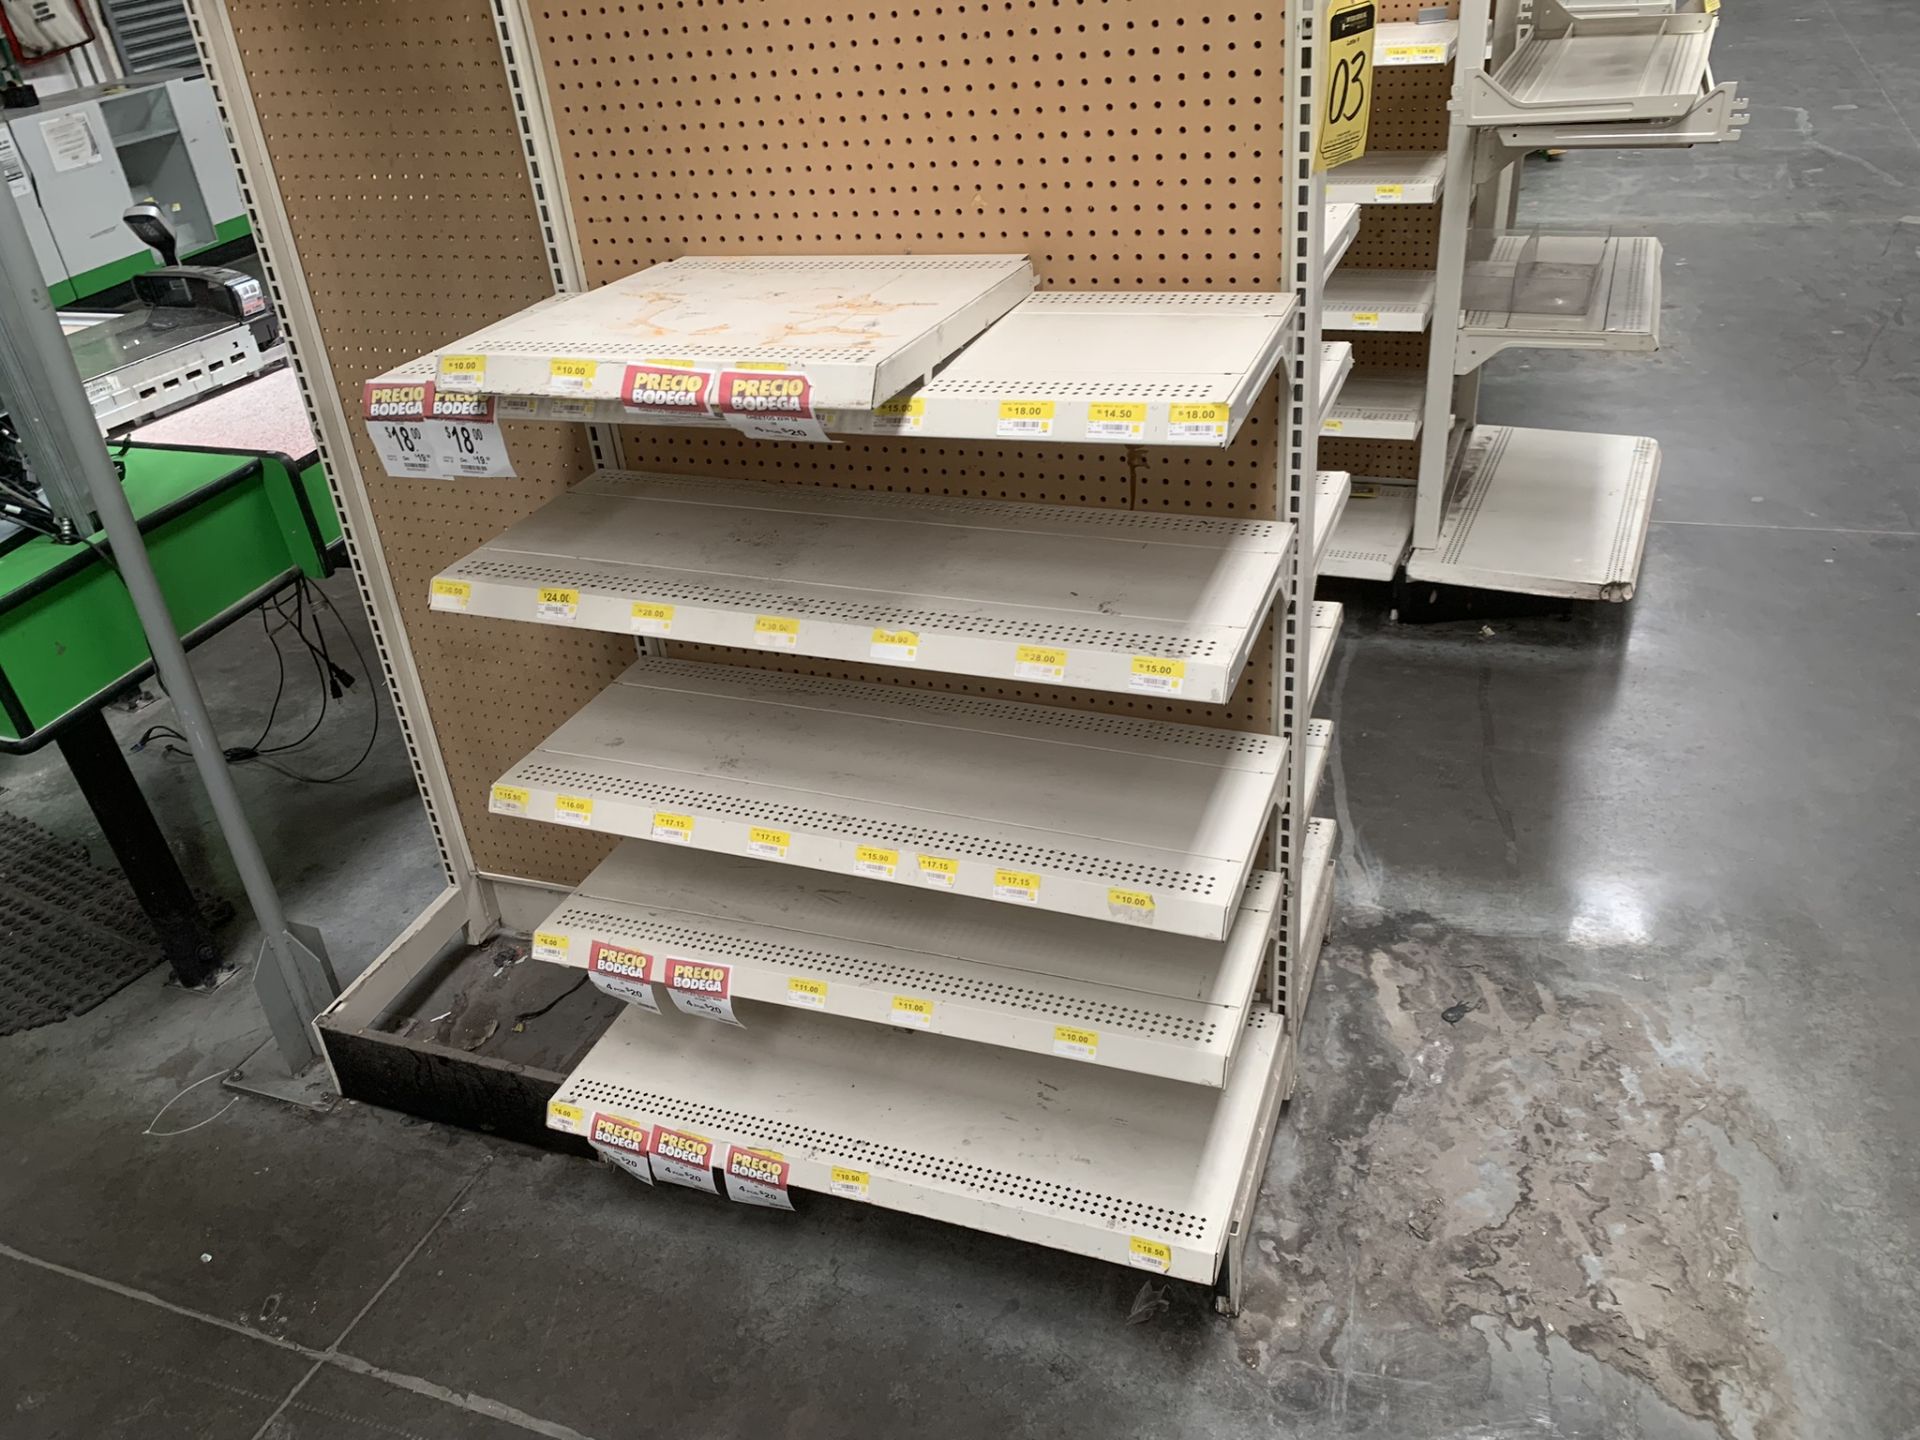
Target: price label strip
465,438
623,973
1115,420
396,417
700,987
1346,87
681,1157
666,387
1024,420
757,1177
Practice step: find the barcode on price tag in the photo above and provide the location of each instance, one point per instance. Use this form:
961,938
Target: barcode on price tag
573,810
1024,419
1116,420
875,860
1366,319
1155,675
552,602
674,829
1197,422
470,449
508,800
1389,192
652,619
1039,662
900,417
449,594
570,377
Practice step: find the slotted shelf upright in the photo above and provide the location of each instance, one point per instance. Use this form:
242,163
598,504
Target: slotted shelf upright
1532,511
982,823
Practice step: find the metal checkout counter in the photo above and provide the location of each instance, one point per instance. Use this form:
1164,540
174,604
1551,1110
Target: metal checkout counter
226,484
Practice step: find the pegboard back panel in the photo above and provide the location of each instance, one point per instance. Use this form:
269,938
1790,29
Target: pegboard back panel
1410,108
1124,146
402,174
1393,459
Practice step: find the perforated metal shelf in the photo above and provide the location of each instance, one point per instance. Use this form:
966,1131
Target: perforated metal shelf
1317,865
1378,404
1329,503
1374,533
1623,314
1141,602
1546,512
1389,177
1327,618
1122,1167
1336,364
1030,805
1342,225
1134,999
1408,42
858,327
1580,69
1397,300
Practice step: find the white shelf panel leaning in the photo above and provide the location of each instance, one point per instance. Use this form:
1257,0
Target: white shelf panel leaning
1123,996
1030,805
1329,504
1124,367
855,328
1378,404
1411,42
1374,533
1389,177
1138,602
1546,512
1317,738
1620,311
1343,224
1596,69
1327,618
1396,300
1336,364
1100,1162
1317,865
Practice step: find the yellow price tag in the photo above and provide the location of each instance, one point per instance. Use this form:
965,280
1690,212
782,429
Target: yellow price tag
1039,662
1074,1042
573,809
849,1184
549,945
651,619
897,647
508,800
939,871
1332,426
553,603
1116,420
768,844
570,377
900,414
805,991
1134,905
449,595
1024,419
875,860
674,829
1366,319
1149,1254
1197,422
1389,192
1152,675
1346,93
463,372
1021,886
913,1011
562,1116
776,632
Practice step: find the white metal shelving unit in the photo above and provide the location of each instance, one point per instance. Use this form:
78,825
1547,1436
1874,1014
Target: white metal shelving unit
1400,301
1051,957
1533,511
1390,177
1138,602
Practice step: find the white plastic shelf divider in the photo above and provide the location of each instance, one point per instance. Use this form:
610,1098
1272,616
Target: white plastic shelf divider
1716,118
1582,70
1546,512
1408,42
1139,602
1389,177
1121,1167
1327,618
859,327
1381,404
1133,999
1398,300
1336,364
1343,224
1374,532
1329,504
1624,315
1101,816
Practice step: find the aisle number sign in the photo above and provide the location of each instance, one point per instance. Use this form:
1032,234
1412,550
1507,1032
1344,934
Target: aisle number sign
1346,89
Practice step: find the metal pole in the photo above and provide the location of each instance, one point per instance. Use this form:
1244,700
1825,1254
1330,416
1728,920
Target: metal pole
50,410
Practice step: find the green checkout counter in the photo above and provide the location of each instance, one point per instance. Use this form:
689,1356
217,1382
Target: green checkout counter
234,506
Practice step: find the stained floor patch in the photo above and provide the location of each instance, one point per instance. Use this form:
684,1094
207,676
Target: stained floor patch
1510,1159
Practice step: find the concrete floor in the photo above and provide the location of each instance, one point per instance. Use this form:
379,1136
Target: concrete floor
1661,1183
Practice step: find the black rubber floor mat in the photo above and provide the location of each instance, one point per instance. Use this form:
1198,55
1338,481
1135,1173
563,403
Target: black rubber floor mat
71,934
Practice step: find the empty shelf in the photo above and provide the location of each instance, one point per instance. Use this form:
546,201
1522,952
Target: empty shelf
1083,1158
1546,512
1374,532
856,328
1029,805
1407,42
1382,404
1123,996
1142,602
1621,314
1580,70
1399,300
1336,364
1343,223
1329,503
1389,177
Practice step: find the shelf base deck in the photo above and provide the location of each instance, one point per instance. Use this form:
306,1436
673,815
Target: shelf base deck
1374,534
